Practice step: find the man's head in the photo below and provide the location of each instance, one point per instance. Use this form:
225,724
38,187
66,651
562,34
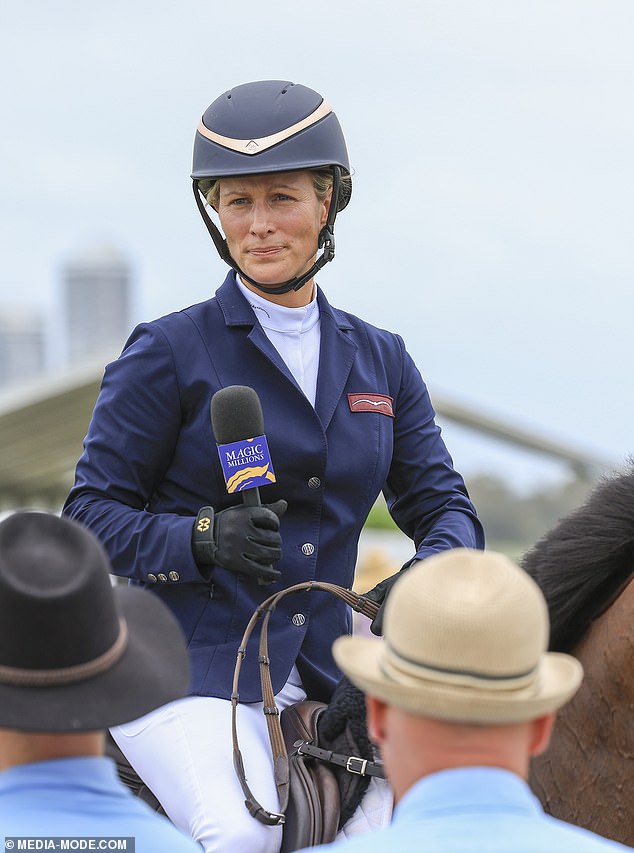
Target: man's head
465,644
76,654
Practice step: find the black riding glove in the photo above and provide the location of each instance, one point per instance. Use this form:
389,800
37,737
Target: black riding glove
244,539
380,593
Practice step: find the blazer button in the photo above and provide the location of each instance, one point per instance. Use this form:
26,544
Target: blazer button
308,549
151,577
314,483
174,576
162,577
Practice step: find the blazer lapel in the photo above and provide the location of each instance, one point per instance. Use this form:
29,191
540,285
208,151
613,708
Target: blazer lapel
237,312
336,357
259,339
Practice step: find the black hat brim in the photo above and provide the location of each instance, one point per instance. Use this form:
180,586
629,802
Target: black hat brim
152,671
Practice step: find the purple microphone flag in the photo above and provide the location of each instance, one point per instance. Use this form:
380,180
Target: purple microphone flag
246,464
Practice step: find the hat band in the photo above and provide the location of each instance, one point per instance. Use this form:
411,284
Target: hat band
68,674
397,666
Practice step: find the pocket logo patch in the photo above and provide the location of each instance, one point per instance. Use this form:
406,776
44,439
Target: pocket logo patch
380,403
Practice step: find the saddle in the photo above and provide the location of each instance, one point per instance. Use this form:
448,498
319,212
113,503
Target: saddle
329,768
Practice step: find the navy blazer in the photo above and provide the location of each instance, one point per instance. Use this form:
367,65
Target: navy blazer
150,462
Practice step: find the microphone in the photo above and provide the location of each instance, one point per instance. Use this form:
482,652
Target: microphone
238,426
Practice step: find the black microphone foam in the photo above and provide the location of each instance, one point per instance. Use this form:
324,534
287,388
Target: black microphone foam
236,414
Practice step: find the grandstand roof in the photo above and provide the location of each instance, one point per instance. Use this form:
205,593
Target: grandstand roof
42,426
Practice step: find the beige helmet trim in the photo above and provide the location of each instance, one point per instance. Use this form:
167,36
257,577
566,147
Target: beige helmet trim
255,146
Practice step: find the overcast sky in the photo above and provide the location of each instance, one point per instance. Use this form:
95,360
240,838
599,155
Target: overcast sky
493,208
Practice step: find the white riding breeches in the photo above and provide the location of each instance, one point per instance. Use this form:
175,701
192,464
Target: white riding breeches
184,753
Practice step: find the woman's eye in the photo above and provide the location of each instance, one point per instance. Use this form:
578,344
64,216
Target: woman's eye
238,201
282,197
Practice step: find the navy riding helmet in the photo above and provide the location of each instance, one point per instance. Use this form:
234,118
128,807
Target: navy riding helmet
270,126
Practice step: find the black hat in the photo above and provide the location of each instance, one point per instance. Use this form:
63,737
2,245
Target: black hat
76,653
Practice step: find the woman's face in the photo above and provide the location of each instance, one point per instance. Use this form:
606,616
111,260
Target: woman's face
272,223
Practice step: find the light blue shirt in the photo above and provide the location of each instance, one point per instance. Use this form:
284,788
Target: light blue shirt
473,810
81,797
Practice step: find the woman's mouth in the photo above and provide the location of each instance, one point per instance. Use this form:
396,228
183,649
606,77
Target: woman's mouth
265,251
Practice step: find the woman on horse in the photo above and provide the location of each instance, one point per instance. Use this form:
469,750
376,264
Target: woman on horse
347,416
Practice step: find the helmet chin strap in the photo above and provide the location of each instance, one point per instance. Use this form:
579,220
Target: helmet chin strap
326,241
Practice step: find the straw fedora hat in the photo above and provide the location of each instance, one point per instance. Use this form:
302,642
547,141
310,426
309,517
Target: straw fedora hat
77,654
466,634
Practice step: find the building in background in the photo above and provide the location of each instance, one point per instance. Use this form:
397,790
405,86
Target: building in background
96,304
22,344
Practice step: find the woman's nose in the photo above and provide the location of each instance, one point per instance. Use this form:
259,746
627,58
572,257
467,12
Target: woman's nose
261,219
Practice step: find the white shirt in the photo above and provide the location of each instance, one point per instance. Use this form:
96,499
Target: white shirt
295,333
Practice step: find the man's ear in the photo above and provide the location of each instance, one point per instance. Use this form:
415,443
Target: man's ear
376,719
541,730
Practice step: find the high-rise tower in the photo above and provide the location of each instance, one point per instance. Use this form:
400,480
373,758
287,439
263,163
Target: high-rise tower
96,303
22,344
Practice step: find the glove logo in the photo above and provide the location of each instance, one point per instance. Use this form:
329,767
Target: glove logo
203,524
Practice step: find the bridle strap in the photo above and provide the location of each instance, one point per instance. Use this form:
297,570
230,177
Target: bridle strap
359,603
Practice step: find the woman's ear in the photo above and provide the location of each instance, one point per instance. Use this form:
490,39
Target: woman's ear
326,208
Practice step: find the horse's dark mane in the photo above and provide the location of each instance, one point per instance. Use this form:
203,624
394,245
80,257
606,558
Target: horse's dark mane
584,561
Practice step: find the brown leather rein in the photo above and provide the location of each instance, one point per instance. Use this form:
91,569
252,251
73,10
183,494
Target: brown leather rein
280,756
